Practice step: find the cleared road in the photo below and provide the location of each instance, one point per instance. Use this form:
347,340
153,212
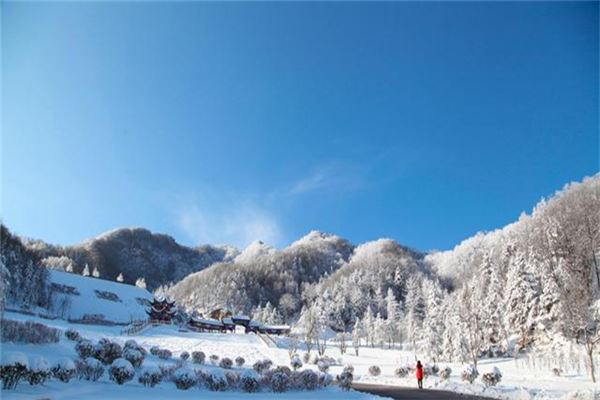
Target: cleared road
404,393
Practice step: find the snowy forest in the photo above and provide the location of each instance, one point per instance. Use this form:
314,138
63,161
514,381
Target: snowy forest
534,282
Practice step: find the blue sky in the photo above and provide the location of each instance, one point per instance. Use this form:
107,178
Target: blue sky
225,123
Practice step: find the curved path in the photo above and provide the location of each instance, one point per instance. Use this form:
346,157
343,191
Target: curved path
405,393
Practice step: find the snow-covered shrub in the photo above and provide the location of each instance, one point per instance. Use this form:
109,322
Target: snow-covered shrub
132,344
492,378
280,382
184,378
226,363
28,332
323,366
469,373
445,372
107,351
184,356
240,361
85,348
14,368
39,371
121,371
556,371
167,370
309,380
214,359
249,381
164,354
215,380
324,379
401,372
348,368
262,365
374,370
431,369
72,334
233,379
150,376
64,369
345,379
89,369
198,357
154,350
134,356
296,363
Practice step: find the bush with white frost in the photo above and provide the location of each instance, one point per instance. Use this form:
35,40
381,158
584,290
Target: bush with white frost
64,369
184,378
469,374
132,344
348,368
233,379
214,359
72,334
492,378
164,354
323,366
262,365
154,350
280,382
107,351
308,380
134,356
345,379
14,368
374,370
215,380
401,372
28,332
226,363
249,381
198,357
445,373
240,361
39,371
121,371
184,356
89,369
167,370
296,363
150,376
85,348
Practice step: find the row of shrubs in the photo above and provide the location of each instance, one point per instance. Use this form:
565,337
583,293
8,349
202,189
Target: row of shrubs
469,374
28,332
16,367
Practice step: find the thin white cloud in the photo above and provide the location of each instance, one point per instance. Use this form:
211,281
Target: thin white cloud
238,225
341,177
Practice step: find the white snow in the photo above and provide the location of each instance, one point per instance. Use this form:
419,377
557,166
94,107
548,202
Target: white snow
39,364
254,251
13,358
87,302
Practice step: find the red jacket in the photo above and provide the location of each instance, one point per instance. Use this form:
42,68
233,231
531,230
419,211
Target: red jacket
420,372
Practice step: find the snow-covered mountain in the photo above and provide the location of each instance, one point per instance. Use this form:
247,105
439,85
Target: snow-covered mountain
261,275
137,253
254,251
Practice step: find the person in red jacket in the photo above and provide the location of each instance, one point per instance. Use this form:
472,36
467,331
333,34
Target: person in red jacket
420,374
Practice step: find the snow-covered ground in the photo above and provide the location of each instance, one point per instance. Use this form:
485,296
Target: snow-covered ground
251,347
116,302
519,380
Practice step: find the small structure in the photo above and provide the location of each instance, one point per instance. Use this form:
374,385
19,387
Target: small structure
161,311
206,325
274,329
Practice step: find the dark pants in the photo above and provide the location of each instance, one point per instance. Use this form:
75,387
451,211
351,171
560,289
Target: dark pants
420,382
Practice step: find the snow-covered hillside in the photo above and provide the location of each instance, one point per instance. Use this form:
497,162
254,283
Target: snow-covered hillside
77,298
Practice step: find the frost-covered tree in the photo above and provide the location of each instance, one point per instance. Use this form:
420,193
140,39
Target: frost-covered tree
86,271
119,278
96,273
141,283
